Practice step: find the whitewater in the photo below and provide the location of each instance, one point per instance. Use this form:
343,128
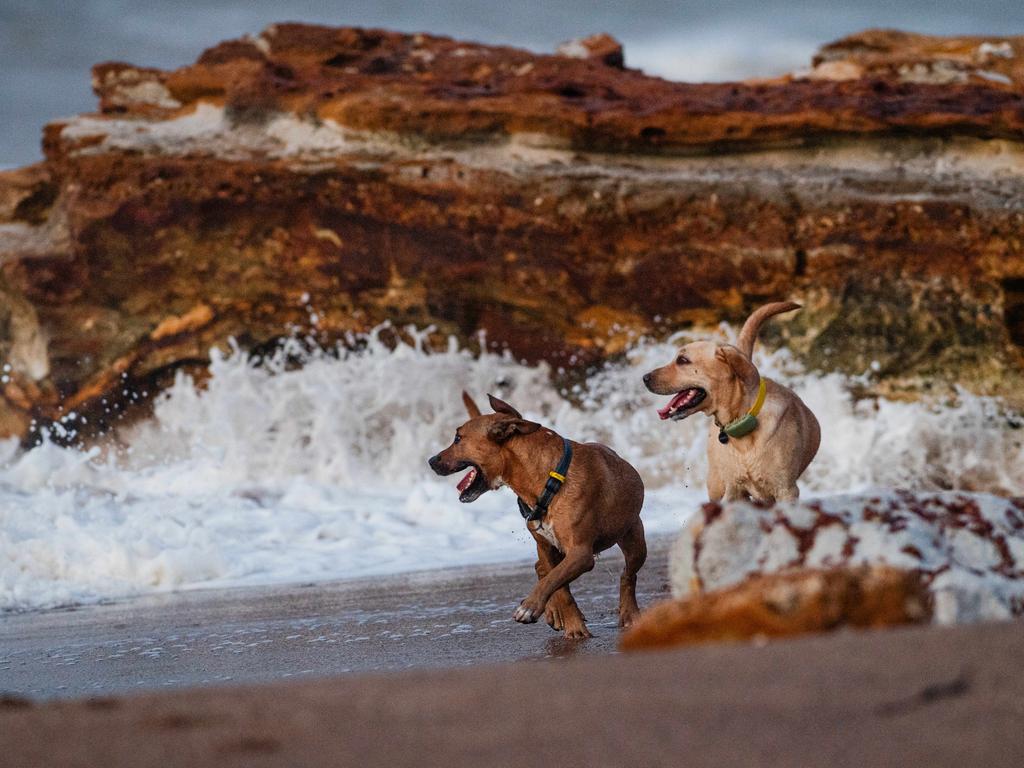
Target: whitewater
271,473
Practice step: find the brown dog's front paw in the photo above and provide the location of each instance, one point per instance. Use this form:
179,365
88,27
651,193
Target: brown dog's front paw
576,630
553,616
528,612
568,619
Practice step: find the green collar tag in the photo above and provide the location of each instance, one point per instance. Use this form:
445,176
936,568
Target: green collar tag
744,425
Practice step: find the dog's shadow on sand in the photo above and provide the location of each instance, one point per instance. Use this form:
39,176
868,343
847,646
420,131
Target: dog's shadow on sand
604,641
563,647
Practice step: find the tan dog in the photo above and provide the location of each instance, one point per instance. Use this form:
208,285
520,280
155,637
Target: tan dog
597,506
720,380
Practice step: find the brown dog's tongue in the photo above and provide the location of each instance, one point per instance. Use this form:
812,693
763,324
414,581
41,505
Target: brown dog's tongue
467,481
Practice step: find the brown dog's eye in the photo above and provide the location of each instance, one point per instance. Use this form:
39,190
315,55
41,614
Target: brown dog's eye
458,437
682,360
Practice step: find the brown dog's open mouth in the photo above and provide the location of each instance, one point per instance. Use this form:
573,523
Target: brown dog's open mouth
683,403
472,485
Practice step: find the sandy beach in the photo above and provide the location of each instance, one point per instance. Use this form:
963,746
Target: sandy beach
936,697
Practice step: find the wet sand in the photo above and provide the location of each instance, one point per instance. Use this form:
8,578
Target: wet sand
908,697
431,619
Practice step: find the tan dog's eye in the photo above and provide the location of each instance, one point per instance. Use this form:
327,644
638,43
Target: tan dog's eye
458,438
682,360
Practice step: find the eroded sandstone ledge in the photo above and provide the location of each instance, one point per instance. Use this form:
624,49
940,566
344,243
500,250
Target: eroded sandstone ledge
561,203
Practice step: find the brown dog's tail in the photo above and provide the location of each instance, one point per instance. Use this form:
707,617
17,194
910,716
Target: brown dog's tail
748,335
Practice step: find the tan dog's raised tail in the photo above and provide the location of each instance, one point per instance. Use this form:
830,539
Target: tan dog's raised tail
763,462
597,505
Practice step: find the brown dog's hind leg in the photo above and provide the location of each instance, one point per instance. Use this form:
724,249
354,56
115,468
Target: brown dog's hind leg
561,613
634,549
575,563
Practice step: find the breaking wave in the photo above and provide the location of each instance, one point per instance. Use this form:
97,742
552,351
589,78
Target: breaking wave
276,473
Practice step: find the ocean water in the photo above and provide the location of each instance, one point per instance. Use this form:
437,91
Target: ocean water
274,474
48,46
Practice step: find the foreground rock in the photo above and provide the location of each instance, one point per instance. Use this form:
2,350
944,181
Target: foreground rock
321,181
783,604
967,549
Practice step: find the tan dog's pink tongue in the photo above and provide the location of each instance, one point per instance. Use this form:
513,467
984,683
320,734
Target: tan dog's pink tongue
467,481
680,399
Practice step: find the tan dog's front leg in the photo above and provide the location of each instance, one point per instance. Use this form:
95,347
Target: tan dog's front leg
735,492
575,563
788,494
716,485
561,613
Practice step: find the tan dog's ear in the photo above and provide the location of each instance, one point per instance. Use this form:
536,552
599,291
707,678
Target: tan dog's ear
471,407
503,430
739,363
500,406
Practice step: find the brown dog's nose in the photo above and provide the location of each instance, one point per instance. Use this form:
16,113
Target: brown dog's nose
647,379
433,461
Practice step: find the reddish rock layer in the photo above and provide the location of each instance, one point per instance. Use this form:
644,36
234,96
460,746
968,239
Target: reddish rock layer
884,53
560,203
440,89
784,604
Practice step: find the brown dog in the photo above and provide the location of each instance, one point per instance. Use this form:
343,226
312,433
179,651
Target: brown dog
763,436
597,505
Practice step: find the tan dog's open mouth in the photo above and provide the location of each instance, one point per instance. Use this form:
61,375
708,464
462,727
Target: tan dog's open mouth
472,485
683,403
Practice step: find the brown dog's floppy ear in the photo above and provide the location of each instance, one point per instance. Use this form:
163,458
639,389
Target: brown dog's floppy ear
500,406
471,407
739,363
503,430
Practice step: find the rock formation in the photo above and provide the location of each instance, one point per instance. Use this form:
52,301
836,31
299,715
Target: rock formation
968,549
322,180
741,571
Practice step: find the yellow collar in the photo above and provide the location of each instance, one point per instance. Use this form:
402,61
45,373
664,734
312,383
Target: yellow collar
762,390
746,423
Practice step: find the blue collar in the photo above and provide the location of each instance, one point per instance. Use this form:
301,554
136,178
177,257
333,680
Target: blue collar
554,484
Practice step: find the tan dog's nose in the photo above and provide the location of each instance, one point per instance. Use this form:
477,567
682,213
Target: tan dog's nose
647,379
